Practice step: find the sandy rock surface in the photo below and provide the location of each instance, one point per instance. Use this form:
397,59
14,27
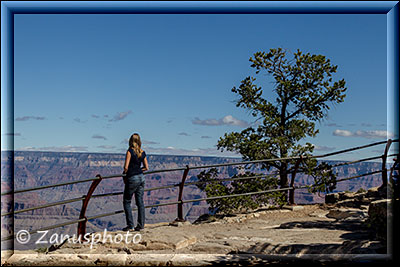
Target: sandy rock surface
298,232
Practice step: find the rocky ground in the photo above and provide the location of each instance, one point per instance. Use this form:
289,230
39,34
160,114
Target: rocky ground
339,230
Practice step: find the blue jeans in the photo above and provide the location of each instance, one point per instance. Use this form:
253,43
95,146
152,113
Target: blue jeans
134,185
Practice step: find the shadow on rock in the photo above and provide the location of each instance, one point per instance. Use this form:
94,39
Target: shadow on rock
336,225
246,259
347,247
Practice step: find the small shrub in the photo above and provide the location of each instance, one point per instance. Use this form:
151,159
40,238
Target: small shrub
361,190
41,250
215,188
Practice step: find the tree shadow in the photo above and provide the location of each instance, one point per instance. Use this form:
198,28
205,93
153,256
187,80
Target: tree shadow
345,248
249,259
345,225
359,245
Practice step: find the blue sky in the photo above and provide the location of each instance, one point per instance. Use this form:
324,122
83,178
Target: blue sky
85,83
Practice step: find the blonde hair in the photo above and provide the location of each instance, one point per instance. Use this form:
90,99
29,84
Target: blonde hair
136,144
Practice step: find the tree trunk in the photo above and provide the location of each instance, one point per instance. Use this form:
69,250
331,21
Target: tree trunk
284,180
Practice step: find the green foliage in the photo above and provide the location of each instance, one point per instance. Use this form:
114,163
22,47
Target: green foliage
324,178
304,88
214,187
41,250
361,190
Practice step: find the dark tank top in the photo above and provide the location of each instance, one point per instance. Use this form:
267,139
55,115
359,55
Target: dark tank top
135,163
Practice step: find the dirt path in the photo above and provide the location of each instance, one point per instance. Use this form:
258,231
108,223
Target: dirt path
306,230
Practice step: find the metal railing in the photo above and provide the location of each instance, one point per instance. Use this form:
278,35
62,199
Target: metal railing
95,181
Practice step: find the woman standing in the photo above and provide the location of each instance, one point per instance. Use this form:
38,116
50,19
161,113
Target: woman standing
134,181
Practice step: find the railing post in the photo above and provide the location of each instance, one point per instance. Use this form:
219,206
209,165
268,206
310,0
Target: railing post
181,186
291,191
384,157
82,225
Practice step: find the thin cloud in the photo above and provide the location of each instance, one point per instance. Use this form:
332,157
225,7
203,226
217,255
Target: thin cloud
95,116
79,120
96,136
190,152
106,147
323,148
120,116
366,124
207,122
205,137
146,142
374,134
227,120
333,124
67,148
183,134
27,118
344,133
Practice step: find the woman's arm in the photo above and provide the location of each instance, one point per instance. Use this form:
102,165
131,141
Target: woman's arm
127,160
146,165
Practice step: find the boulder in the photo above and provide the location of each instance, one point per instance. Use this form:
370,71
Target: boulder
179,223
378,212
378,192
346,195
5,255
205,218
293,207
342,214
351,203
331,198
319,213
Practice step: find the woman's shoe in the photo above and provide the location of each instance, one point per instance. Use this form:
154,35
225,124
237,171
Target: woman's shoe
137,229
